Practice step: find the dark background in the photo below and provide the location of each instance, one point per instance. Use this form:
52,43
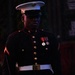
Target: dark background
57,18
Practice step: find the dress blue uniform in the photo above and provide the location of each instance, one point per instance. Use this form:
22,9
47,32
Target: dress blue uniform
28,48
31,52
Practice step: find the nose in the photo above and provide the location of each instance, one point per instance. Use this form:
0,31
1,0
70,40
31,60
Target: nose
36,19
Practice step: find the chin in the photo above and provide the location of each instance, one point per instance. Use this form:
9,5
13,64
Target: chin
33,28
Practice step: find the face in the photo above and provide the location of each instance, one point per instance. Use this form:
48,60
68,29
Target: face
31,21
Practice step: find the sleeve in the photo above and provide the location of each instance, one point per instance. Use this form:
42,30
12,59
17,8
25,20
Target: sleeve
55,59
9,62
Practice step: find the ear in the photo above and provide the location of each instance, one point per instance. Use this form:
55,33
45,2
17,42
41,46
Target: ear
22,18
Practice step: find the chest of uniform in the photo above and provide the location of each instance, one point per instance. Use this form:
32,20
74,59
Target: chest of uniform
34,47
32,44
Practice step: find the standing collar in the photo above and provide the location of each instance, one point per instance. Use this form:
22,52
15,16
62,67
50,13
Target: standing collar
32,31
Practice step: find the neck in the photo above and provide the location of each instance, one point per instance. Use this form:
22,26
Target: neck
31,29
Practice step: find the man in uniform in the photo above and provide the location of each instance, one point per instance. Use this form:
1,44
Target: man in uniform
32,50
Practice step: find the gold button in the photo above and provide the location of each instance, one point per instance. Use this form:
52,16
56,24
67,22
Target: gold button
19,31
35,30
35,58
33,36
29,31
35,47
22,50
46,48
34,41
35,53
17,65
42,29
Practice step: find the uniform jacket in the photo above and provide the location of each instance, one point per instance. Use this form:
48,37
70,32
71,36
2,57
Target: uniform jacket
27,48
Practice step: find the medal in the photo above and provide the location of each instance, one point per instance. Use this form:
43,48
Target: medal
46,39
43,43
47,43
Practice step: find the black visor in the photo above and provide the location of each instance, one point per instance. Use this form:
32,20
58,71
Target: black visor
33,13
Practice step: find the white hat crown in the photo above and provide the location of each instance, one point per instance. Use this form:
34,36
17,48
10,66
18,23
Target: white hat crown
34,5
